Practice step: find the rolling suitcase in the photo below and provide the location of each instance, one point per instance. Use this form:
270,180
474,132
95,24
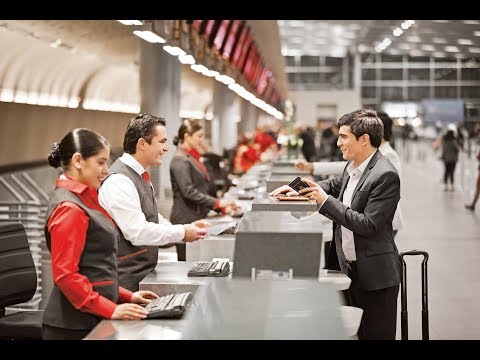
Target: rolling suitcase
404,312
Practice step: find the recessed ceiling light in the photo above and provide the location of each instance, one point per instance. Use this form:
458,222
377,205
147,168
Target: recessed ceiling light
471,22
397,32
451,49
465,42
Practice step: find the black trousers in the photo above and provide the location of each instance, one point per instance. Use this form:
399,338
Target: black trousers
56,333
449,172
379,319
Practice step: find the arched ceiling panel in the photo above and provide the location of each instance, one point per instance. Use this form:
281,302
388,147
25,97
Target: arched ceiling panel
114,84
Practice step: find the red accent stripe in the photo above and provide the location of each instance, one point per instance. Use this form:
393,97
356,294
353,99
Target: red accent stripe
133,254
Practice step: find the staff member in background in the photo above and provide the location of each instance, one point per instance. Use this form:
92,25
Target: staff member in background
362,203
337,167
82,240
128,196
193,190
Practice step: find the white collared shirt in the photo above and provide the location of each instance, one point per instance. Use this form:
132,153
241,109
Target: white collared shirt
348,243
119,197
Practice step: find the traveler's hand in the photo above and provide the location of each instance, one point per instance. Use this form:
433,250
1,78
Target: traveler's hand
314,192
284,189
303,165
193,232
129,311
202,223
143,297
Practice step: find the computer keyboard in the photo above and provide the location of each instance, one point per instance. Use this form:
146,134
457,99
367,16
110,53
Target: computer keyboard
210,268
168,306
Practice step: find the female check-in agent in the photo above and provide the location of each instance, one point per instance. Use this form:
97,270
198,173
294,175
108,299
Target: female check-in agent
82,240
191,183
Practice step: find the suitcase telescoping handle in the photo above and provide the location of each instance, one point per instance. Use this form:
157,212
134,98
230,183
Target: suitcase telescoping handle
404,313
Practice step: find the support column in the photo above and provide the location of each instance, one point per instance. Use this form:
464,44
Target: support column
248,116
224,125
160,96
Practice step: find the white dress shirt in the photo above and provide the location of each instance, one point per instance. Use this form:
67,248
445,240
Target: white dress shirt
348,243
119,196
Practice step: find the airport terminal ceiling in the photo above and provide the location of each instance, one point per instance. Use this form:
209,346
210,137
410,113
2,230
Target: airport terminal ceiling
99,58
439,38
98,46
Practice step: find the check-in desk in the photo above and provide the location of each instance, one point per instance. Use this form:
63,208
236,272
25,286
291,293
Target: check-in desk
172,277
277,244
214,246
264,202
243,309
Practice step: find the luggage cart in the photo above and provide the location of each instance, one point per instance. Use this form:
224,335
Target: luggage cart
404,312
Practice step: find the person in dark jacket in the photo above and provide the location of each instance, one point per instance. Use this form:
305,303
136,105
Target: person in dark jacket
82,240
191,183
450,149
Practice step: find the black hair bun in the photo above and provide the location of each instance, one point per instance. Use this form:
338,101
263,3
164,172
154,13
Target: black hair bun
54,157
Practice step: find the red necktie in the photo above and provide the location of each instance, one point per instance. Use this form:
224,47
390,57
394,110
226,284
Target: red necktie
146,177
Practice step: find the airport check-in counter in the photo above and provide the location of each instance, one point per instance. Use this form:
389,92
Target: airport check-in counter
277,244
242,309
213,246
264,202
217,245
217,307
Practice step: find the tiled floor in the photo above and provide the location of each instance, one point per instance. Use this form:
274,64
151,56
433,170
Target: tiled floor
437,222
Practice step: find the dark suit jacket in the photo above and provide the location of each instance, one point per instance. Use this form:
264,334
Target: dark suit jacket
370,218
190,188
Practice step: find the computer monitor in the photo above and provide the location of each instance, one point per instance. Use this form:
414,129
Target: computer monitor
278,245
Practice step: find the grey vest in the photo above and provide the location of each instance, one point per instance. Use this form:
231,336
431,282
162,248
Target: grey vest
98,263
135,262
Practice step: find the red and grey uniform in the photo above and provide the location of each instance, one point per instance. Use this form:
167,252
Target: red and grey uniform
83,242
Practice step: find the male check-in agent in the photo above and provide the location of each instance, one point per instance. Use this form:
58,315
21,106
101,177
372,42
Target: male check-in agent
362,203
128,197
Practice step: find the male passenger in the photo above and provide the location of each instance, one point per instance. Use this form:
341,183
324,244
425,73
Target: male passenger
337,167
127,195
362,203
